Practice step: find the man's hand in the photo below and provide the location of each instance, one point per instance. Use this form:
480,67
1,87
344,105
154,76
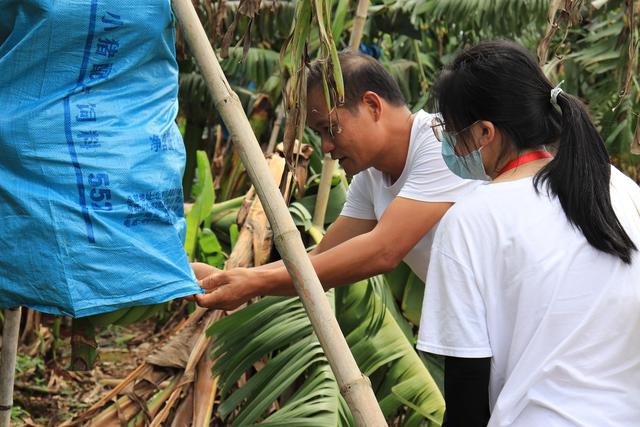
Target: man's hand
202,270
226,290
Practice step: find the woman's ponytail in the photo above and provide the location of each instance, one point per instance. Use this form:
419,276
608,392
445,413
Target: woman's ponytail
579,175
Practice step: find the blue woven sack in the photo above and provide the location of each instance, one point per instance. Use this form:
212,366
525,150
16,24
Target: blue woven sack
91,205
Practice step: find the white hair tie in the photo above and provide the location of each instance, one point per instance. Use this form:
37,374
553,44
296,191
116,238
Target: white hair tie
554,94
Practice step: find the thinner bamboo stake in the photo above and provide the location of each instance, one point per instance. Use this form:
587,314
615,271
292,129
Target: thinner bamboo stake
324,187
358,25
273,139
328,164
8,362
354,386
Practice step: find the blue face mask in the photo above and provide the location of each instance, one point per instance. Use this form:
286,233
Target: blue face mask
467,167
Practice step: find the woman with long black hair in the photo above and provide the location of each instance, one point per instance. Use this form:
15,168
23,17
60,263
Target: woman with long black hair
533,289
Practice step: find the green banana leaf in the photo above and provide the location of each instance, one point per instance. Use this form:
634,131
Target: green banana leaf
412,299
210,248
257,67
301,215
337,197
296,375
386,349
203,205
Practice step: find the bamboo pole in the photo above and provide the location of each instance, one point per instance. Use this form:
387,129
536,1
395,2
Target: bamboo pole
328,164
8,362
358,25
354,386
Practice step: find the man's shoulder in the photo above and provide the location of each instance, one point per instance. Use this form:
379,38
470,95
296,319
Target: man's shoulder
370,175
422,123
424,142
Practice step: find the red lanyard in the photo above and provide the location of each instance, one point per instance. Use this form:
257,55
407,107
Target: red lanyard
525,158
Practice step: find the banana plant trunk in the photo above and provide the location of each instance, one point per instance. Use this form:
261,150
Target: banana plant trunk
84,349
328,164
354,386
8,362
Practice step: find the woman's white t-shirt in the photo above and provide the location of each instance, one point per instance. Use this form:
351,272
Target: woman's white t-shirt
510,278
425,178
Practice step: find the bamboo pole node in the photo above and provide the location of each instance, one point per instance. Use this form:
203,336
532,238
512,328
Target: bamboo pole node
286,234
363,381
229,97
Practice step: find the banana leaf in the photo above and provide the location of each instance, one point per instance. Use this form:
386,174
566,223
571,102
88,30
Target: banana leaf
337,197
275,335
278,329
387,349
203,204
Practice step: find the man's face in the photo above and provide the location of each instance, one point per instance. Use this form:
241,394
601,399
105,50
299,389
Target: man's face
345,134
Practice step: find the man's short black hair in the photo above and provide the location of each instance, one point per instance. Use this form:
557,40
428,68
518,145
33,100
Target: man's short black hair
361,73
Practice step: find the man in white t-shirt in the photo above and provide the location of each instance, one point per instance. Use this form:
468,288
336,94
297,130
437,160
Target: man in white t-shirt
400,190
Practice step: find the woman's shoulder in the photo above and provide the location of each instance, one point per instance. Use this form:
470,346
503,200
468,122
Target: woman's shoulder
494,204
624,191
625,199
493,196
623,182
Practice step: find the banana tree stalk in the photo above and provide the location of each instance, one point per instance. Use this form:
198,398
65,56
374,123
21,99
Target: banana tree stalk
635,144
8,362
545,42
354,386
84,349
328,164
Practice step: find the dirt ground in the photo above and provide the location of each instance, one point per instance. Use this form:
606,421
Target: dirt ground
46,393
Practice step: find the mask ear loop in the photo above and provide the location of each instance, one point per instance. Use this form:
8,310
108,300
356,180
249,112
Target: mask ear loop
557,90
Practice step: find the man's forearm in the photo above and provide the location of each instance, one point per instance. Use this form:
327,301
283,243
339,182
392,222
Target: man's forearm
352,249
352,260
346,263
274,279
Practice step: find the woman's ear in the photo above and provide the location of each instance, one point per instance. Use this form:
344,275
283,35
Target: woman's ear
486,133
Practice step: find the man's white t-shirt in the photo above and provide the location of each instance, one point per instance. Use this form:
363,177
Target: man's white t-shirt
425,178
511,279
